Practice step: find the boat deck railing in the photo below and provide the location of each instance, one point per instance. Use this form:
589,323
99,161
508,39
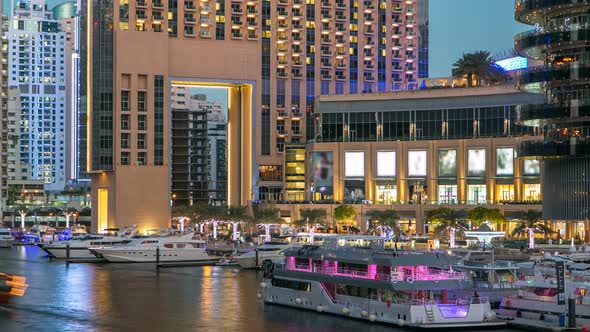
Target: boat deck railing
428,275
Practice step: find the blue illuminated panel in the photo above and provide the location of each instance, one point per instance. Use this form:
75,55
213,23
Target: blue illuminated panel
513,63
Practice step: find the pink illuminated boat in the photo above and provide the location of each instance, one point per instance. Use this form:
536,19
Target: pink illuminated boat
355,276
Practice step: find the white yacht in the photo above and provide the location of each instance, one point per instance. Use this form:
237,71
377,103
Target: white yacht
537,300
171,249
355,276
6,238
490,278
79,246
267,251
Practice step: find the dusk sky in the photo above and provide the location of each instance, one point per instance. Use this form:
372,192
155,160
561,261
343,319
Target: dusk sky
459,26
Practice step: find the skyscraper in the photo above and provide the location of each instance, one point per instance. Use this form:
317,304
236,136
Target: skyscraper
274,57
560,39
36,56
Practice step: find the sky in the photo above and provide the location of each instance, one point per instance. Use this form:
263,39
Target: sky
213,94
461,26
456,27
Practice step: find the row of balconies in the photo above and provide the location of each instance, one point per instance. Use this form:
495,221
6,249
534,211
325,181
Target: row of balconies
155,4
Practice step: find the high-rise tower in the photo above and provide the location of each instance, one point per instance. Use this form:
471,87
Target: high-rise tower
560,39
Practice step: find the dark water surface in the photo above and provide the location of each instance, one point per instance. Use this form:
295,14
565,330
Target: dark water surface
134,297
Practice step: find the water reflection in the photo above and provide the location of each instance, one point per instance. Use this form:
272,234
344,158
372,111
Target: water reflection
135,297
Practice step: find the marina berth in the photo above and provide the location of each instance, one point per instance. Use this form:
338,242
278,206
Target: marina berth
355,276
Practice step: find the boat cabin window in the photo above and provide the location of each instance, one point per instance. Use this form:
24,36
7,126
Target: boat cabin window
4,233
269,249
180,245
540,291
149,241
350,267
291,284
168,245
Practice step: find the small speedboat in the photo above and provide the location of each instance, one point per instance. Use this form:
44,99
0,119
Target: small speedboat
227,260
6,238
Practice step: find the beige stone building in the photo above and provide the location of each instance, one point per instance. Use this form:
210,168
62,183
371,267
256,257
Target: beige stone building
275,58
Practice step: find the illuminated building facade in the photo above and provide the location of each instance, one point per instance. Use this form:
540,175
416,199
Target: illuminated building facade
560,39
275,57
415,151
37,67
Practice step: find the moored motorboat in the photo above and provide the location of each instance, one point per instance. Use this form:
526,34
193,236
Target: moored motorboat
78,247
267,251
537,300
354,276
6,238
146,250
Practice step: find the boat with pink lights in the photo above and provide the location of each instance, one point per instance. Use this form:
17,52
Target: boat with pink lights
355,276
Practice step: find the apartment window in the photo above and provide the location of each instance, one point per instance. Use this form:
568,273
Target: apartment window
141,142
142,101
125,158
125,141
141,158
125,123
141,122
125,100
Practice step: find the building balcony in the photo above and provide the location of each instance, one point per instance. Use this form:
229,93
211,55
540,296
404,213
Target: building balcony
190,33
340,4
297,63
326,76
190,20
536,79
326,4
563,147
252,10
296,115
326,64
535,115
236,10
534,11
282,74
369,78
236,35
205,34
158,17
141,4
281,132
297,74
282,114
297,132
282,13
341,77
189,6
158,5
532,44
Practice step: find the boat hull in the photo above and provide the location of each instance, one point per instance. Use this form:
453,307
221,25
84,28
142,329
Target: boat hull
417,316
61,252
248,261
6,243
532,309
149,255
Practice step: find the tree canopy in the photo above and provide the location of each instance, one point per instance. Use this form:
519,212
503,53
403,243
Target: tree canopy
481,213
267,215
531,220
387,218
344,212
445,218
311,216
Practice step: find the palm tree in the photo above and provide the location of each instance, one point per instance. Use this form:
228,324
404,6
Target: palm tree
311,218
446,219
235,215
530,223
387,221
267,216
479,65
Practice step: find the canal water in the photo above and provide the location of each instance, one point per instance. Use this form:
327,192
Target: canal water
136,297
